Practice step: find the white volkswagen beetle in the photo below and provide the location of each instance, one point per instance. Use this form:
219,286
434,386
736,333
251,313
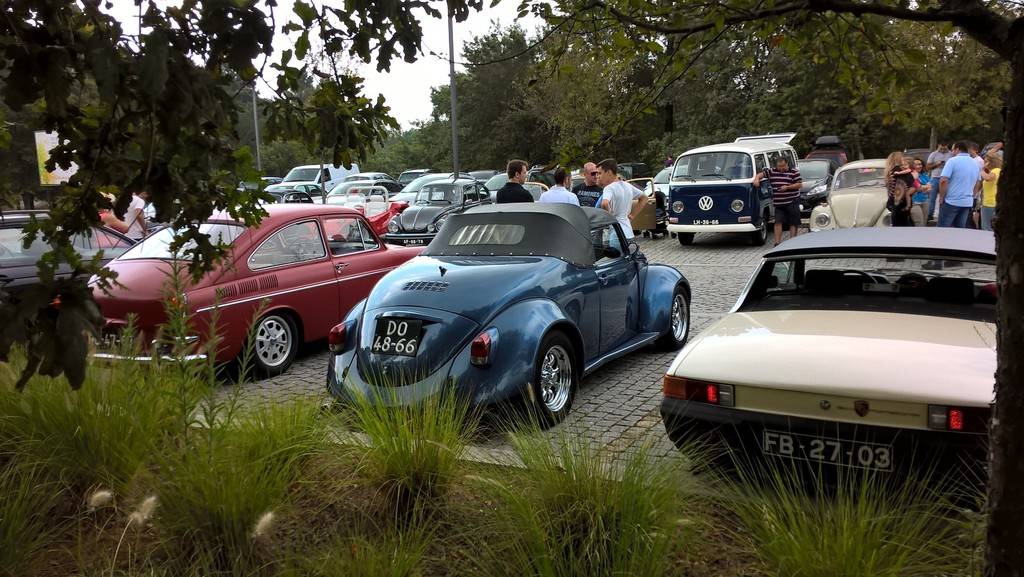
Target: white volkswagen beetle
857,198
866,348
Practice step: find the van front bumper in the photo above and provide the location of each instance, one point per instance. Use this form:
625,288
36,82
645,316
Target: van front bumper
742,227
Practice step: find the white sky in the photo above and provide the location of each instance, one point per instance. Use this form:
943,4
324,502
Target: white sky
407,86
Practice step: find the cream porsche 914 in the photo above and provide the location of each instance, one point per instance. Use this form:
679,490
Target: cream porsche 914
868,348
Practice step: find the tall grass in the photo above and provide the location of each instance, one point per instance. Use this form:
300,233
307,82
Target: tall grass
577,511
863,526
400,554
413,451
103,434
217,488
28,521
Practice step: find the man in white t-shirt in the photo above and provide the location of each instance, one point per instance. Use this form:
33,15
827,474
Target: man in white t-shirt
619,198
135,216
559,192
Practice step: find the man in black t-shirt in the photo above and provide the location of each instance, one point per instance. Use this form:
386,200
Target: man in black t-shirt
588,191
514,191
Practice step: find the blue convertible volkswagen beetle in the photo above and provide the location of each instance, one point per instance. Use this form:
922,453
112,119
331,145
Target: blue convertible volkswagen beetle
509,301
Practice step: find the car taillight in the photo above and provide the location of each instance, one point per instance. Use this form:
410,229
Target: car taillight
336,338
480,350
699,391
960,419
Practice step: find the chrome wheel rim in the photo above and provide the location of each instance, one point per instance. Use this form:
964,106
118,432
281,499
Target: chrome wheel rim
764,228
273,341
555,378
679,319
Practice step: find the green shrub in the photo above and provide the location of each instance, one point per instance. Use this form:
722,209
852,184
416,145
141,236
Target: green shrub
860,525
27,519
579,511
218,487
413,451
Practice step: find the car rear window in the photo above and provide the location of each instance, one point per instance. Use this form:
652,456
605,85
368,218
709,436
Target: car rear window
488,234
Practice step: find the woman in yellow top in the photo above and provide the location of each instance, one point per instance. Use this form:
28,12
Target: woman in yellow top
990,180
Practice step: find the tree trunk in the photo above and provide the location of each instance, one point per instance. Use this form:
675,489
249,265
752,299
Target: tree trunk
1004,554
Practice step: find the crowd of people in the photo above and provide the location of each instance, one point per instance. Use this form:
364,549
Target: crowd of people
601,188
956,186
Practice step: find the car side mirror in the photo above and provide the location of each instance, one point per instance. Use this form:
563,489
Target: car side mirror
634,248
612,252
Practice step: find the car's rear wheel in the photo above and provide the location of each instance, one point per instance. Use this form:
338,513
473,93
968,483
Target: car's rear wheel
760,236
679,322
685,238
555,379
275,344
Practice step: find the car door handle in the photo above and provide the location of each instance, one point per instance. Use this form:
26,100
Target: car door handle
340,266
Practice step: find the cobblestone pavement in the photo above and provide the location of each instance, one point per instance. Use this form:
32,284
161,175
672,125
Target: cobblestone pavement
617,406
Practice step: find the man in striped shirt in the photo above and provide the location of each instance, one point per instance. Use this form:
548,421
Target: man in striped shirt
785,182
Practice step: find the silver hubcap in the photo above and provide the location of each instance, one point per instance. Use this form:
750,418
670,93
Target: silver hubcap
679,319
273,341
555,378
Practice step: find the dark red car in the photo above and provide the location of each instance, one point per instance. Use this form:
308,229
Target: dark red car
313,262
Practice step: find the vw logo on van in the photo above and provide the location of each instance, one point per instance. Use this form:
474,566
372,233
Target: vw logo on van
705,203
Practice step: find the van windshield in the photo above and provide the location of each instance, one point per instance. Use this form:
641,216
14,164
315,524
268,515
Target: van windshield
301,175
713,166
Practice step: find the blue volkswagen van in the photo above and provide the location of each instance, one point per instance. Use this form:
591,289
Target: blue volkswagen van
712,188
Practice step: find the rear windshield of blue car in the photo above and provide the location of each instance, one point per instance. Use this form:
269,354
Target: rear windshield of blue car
713,166
488,234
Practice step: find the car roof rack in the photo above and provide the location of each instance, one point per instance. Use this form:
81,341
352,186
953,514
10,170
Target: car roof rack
781,137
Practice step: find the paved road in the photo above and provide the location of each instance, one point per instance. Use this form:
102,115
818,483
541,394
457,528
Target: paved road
617,405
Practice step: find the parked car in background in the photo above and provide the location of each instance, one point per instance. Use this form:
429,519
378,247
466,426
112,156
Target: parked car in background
659,183
313,262
540,173
830,147
410,175
18,263
495,182
435,202
378,178
326,175
298,196
634,170
373,201
279,190
712,188
482,175
817,176
921,153
409,191
264,181
903,355
857,198
338,194
509,301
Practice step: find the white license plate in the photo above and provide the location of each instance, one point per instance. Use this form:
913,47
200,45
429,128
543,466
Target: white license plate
395,336
705,221
841,452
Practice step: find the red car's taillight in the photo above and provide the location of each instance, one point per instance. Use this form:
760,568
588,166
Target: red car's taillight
699,391
336,338
480,350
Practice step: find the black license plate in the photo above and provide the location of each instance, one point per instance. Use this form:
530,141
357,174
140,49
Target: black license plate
841,452
394,336
416,241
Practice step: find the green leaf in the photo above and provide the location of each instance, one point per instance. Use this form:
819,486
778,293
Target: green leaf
302,45
305,12
153,68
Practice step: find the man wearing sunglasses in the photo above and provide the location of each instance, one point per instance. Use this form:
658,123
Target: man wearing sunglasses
588,191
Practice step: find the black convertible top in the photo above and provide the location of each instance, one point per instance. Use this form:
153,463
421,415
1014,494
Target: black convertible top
910,240
548,229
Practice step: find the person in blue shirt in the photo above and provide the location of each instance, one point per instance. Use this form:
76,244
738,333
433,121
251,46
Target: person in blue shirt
959,178
559,192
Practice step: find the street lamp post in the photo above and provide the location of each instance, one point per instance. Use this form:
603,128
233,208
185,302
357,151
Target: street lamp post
451,88
256,127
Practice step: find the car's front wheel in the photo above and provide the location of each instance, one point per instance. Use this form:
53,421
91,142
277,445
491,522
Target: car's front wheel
555,379
760,236
685,238
275,344
679,322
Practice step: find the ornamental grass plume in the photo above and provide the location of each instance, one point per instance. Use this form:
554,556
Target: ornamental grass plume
99,499
263,525
141,515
